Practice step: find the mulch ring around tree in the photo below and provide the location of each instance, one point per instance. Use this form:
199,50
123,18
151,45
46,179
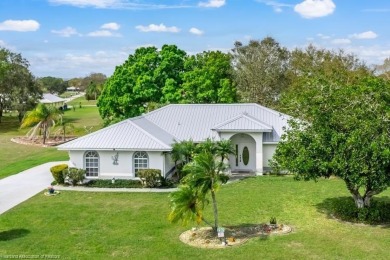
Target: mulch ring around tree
204,237
39,142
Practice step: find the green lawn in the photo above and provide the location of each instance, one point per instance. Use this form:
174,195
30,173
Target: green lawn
81,100
76,225
17,157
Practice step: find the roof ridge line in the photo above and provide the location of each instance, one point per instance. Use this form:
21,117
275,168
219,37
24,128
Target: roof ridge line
149,134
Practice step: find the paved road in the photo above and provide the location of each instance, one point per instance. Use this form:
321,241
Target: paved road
19,187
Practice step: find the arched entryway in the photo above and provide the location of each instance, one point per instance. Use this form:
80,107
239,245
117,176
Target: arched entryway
245,158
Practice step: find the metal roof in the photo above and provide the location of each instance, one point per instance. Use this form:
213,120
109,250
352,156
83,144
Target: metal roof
242,122
50,98
125,135
196,121
160,128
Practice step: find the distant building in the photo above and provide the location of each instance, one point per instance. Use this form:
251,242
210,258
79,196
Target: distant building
53,100
72,89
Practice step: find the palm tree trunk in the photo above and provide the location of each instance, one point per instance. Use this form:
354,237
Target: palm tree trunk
44,133
215,210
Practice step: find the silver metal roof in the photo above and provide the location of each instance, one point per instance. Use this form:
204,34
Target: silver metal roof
158,129
196,121
242,122
50,98
125,135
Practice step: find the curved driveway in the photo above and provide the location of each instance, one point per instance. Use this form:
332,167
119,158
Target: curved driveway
22,186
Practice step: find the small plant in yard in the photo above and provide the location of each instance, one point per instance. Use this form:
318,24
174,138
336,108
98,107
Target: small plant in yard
150,177
74,175
273,221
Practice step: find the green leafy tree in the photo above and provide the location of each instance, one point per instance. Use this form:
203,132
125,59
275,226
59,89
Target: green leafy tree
208,78
43,117
18,88
345,133
145,77
316,64
53,85
383,70
260,70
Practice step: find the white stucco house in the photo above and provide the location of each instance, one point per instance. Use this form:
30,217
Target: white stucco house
120,150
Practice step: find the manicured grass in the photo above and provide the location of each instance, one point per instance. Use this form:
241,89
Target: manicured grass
15,158
76,225
81,100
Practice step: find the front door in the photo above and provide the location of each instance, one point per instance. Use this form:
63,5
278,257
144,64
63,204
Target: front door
245,157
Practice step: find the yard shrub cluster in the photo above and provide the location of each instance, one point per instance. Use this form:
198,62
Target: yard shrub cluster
116,184
150,177
377,213
74,175
57,172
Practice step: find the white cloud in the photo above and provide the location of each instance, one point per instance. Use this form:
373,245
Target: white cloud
323,36
19,25
212,3
196,31
66,32
364,35
87,3
157,28
341,41
103,33
117,4
111,26
315,8
278,7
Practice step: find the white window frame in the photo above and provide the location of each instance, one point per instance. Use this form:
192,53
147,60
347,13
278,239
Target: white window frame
140,161
91,164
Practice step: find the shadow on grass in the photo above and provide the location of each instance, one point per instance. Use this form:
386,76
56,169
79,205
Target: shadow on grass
13,234
344,209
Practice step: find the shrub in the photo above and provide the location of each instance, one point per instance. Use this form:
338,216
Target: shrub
75,175
377,213
56,171
150,177
116,184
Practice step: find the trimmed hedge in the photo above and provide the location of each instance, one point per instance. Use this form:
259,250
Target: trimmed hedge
57,172
116,184
74,175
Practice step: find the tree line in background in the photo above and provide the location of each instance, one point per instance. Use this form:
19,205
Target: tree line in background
20,91
261,72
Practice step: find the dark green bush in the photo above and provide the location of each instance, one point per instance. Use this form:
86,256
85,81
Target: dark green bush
74,175
167,183
56,171
116,184
377,213
150,177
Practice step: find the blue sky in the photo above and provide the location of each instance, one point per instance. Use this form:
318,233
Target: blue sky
73,38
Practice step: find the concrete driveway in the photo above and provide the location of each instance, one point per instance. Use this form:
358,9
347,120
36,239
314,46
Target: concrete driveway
20,187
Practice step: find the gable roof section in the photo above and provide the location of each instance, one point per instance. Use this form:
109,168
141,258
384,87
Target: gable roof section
159,129
50,98
196,121
125,135
242,123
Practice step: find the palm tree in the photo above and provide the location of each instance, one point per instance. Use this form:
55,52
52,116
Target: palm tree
182,154
43,117
224,149
204,176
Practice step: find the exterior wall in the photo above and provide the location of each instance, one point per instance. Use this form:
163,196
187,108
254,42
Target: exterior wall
124,168
269,150
258,137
